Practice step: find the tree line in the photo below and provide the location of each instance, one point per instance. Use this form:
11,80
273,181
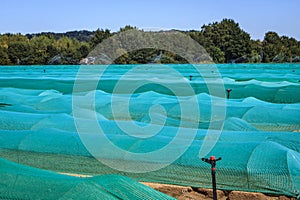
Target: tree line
224,41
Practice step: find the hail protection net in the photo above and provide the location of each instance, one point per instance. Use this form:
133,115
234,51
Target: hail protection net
23,182
148,133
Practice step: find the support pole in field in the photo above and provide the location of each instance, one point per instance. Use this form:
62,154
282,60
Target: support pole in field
213,161
228,92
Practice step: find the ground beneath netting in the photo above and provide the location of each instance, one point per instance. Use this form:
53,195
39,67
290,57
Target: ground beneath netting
189,193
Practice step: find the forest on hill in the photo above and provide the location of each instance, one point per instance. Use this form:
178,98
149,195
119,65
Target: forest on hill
224,41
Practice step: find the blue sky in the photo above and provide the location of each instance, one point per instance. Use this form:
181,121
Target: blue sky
254,16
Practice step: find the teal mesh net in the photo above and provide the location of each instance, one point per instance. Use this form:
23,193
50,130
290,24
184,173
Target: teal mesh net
258,138
23,182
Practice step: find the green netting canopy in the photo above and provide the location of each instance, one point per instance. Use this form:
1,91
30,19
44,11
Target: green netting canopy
59,122
23,182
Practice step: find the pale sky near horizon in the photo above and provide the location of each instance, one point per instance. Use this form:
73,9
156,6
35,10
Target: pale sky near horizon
255,17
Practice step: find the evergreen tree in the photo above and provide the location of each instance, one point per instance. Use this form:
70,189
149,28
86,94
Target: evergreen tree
271,46
4,59
229,38
99,36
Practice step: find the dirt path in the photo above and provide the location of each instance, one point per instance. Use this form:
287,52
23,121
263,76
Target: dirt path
189,193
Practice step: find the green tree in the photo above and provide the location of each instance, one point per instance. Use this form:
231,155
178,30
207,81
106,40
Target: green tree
99,36
69,50
215,52
4,40
229,38
271,46
13,38
124,58
17,48
84,49
39,49
256,51
289,48
18,52
127,28
52,50
4,59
